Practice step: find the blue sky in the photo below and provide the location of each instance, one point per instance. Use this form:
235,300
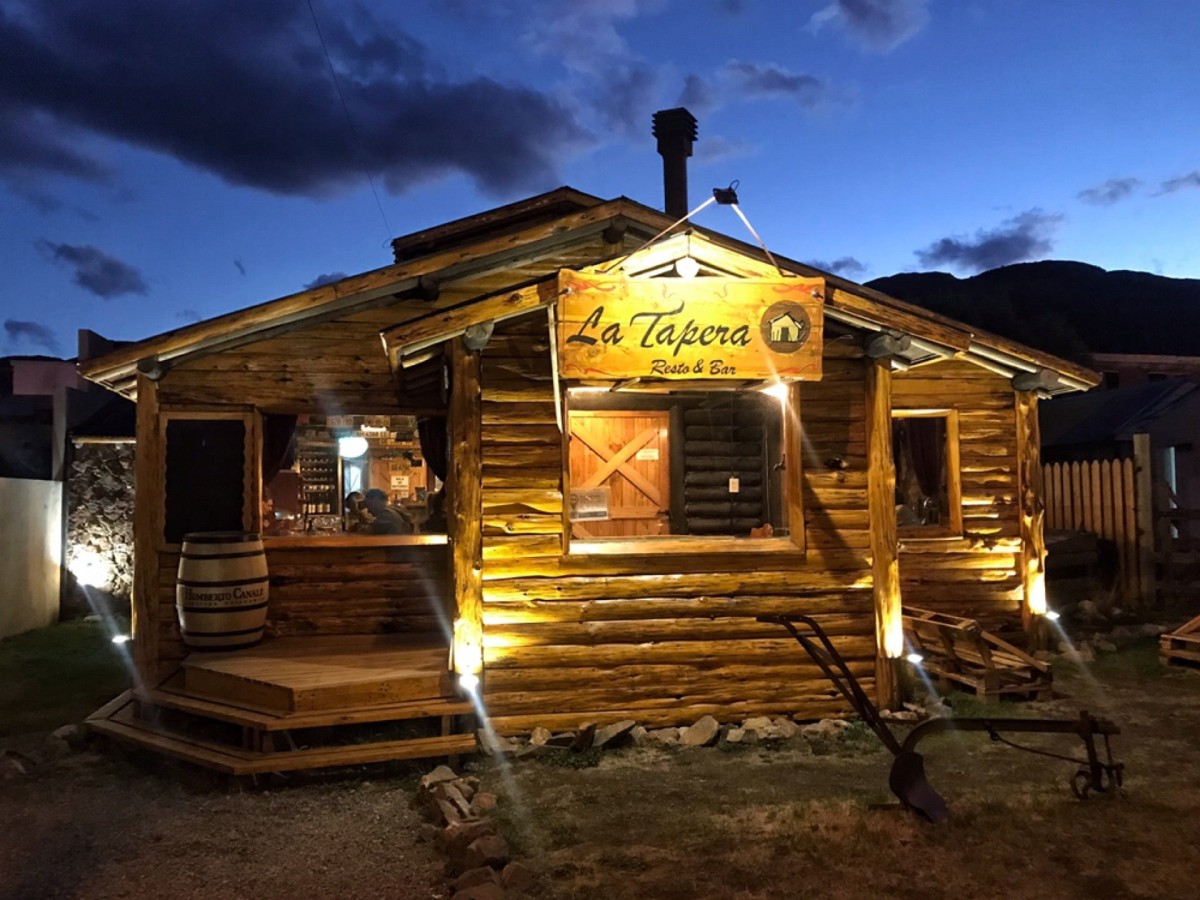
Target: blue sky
166,162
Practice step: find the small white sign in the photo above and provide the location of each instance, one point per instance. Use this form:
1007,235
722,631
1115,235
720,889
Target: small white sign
735,485
647,454
399,484
589,503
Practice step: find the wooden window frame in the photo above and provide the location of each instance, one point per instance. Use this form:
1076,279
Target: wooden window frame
954,528
251,465
791,491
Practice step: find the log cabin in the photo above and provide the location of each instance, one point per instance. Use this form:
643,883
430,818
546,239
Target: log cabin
645,433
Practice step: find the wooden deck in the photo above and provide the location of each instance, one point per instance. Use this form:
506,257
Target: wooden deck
300,703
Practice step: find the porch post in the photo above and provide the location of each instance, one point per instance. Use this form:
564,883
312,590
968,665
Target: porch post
465,523
149,481
1032,515
881,504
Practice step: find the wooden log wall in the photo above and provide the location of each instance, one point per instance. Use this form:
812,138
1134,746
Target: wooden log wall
977,575
334,590
661,638
720,444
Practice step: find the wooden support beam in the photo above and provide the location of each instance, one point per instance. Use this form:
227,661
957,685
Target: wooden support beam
444,324
881,502
149,487
1144,500
466,507
1032,515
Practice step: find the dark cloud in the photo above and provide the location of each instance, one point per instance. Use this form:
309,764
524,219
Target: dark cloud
626,97
716,148
1181,183
697,94
31,333
96,271
244,91
846,265
758,80
237,264
1020,238
325,279
189,315
878,25
1112,191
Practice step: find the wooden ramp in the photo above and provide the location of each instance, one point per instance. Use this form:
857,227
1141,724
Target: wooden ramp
958,652
1182,646
300,703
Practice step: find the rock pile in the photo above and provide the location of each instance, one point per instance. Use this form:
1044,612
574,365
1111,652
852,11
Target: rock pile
477,857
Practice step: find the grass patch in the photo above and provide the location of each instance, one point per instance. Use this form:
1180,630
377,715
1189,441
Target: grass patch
58,675
1137,660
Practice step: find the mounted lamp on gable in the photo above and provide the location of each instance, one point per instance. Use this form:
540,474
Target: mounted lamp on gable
613,327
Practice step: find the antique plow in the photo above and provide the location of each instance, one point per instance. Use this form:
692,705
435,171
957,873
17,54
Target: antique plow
907,778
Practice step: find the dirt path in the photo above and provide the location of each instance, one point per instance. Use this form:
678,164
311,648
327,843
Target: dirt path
650,823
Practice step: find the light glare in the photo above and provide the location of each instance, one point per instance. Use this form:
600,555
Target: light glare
352,447
915,658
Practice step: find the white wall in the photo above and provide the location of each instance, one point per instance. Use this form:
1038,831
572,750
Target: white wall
30,553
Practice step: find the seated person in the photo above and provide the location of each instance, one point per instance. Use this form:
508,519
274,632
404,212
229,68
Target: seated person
435,522
387,519
356,518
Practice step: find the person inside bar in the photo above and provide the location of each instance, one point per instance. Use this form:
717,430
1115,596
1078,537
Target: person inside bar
355,514
386,518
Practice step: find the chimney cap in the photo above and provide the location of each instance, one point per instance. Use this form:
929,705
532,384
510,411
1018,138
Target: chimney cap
676,122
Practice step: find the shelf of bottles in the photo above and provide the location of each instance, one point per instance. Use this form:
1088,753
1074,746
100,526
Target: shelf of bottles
319,473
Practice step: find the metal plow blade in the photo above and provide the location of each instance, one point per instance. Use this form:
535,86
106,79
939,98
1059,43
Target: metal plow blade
907,781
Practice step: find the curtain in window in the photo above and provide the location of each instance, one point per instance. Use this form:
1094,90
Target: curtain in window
435,446
279,444
925,441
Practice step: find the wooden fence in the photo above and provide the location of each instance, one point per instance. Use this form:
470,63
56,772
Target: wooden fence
1113,500
31,538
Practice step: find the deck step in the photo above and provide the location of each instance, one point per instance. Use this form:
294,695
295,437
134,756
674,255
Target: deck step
173,695
121,724
311,674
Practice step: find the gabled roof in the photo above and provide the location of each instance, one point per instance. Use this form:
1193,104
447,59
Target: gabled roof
1118,414
536,237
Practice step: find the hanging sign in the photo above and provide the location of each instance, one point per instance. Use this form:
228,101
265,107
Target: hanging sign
613,327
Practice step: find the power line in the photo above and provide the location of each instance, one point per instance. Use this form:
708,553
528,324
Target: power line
362,158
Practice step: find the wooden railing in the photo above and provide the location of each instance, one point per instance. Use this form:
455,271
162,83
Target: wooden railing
1113,500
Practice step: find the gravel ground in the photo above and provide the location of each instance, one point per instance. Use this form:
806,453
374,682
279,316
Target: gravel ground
97,827
788,820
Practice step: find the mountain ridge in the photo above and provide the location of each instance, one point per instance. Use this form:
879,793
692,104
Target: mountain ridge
1069,308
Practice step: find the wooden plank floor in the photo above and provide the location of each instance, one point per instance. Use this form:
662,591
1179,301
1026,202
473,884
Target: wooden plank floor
305,674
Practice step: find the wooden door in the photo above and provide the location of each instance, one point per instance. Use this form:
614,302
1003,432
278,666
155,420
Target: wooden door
628,453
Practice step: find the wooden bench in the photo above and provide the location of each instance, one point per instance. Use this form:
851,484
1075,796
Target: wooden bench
1182,646
957,652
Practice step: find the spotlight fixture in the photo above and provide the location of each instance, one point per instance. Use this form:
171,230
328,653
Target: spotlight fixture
915,658
1052,615
726,196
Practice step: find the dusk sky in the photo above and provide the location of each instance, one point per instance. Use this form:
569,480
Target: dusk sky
163,162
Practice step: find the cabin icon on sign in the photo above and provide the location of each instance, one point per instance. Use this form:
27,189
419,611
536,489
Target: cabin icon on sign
787,329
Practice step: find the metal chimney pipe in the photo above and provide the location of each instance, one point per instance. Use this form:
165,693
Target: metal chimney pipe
675,130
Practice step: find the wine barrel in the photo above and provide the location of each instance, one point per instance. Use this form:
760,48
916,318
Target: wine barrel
221,590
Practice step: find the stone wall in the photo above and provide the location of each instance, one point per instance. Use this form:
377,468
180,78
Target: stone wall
99,545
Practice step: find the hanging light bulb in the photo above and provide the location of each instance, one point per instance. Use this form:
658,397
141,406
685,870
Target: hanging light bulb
352,446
